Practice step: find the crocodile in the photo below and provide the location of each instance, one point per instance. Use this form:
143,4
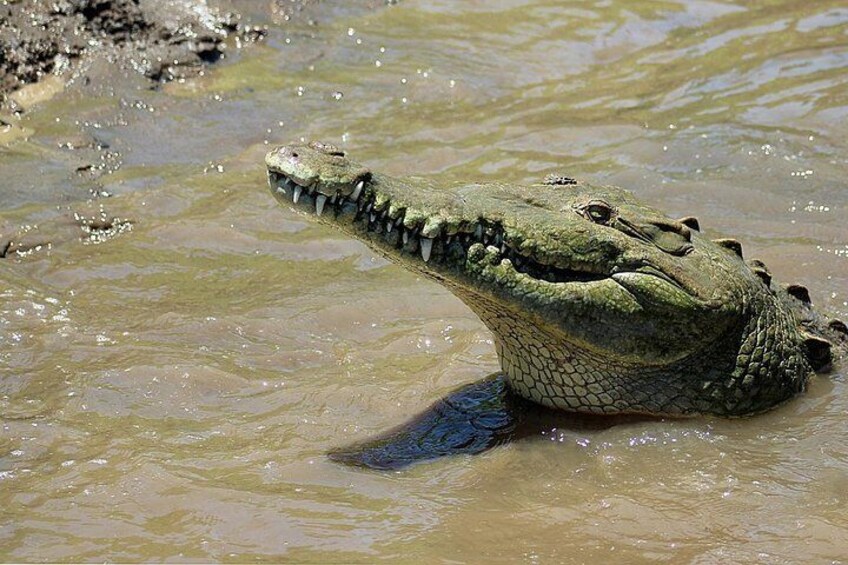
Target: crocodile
598,304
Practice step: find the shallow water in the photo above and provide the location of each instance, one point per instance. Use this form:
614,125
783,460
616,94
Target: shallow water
170,393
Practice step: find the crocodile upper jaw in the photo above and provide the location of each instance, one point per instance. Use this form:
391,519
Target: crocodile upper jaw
355,208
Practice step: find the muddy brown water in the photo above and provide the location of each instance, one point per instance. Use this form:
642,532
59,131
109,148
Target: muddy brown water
170,393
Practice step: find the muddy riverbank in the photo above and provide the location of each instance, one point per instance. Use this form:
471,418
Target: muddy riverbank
83,87
162,39
92,49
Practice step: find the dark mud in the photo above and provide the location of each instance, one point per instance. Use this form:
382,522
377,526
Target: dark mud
162,39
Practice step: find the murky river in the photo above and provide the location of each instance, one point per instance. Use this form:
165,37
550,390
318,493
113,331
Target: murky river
169,386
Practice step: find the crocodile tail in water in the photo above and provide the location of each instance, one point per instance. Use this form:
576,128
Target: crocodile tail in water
470,420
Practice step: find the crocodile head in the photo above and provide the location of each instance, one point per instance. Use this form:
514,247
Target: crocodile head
597,303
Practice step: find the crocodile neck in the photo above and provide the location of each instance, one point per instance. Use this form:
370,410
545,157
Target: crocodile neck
748,370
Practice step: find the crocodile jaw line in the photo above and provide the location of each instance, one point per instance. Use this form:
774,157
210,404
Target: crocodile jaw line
363,212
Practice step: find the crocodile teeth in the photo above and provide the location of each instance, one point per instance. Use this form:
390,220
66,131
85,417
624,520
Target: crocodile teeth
389,227
334,198
478,233
373,217
319,203
296,193
426,248
357,191
405,236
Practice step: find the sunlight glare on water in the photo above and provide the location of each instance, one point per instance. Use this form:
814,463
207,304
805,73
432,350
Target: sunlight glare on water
170,393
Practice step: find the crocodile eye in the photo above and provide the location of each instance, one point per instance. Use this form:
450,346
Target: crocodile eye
598,211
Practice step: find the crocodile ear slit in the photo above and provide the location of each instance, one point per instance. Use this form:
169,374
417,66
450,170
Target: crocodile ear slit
800,292
690,222
817,351
731,244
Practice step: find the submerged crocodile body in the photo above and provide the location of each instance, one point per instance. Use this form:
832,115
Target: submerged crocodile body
598,303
